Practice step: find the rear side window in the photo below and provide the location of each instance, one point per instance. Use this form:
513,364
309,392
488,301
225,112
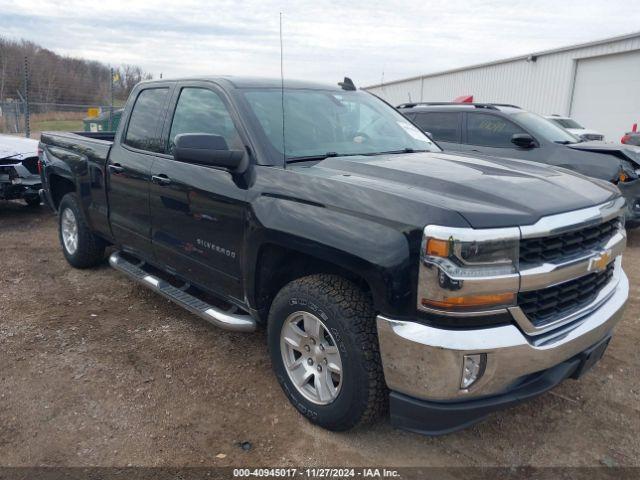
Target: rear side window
490,130
442,126
202,111
143,125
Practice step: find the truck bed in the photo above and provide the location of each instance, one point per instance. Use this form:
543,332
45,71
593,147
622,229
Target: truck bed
80,158
99,142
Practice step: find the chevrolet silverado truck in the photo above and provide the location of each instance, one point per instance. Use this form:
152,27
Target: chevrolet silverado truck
387,273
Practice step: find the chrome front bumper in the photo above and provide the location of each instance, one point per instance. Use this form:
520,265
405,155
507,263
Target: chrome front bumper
426,362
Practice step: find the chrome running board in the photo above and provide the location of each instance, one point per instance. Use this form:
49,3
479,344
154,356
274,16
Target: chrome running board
220,318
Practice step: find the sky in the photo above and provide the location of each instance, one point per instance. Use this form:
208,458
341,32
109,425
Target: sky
367,40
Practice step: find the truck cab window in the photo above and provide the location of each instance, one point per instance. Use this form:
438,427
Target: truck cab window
202,111
142,129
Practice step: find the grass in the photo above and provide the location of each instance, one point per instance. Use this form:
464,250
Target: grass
57,125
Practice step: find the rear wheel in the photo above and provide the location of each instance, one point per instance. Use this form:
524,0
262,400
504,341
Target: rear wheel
324,351
80,246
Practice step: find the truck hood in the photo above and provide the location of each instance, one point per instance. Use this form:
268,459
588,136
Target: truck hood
620,150
17,147
486,191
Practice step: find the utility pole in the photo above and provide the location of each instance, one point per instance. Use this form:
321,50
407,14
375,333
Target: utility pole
111,102
27,126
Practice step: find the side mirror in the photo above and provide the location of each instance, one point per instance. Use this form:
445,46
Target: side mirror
207,149
523,140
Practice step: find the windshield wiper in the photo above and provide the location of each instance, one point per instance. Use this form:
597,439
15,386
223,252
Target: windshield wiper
324,156
309,158
396,152
565,142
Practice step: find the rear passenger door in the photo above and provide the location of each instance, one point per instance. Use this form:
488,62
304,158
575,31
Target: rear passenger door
129,170
198,211
444,127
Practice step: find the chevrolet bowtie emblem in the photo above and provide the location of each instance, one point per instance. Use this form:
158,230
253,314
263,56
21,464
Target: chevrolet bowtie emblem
599,263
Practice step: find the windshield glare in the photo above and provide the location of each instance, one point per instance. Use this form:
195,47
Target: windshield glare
544,128
321,122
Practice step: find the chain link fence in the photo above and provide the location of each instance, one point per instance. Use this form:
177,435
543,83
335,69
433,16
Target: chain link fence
26,109
42,91
17,119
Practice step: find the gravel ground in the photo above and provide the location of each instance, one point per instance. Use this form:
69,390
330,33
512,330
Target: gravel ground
98,371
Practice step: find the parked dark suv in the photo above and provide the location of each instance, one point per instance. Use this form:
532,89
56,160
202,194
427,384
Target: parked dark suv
508,131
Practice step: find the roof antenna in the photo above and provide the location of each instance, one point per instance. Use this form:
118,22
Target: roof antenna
347,84
284,154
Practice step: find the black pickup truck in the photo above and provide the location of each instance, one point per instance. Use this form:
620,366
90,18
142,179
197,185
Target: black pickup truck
386,272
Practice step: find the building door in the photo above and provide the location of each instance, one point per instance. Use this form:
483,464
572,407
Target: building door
606,95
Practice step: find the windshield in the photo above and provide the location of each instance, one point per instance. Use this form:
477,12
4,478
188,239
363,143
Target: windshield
544,128
321,123
567,123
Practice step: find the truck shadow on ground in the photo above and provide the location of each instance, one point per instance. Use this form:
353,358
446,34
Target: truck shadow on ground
633,237
15,211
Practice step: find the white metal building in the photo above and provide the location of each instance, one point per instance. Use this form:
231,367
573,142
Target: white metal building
597,83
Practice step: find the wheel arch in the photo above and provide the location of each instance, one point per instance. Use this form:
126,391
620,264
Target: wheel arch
59,186
277,263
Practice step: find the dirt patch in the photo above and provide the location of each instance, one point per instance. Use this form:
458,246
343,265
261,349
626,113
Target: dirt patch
96,370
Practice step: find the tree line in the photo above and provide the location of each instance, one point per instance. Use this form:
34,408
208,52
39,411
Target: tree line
59,79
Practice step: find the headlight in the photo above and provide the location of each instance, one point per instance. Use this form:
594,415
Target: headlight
627,172
463,269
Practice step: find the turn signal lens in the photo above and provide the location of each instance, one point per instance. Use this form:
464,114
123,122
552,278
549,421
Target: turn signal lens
438,248
623,177
471,301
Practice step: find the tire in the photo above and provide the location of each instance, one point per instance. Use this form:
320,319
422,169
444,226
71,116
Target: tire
346,315
89,249
32,202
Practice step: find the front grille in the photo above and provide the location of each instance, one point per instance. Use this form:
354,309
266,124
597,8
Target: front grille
565,245
592,136
552,303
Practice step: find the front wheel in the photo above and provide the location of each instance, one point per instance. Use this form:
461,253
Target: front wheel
80,246
324,351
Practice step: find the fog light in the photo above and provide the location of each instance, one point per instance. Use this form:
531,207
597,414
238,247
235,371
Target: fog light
472,369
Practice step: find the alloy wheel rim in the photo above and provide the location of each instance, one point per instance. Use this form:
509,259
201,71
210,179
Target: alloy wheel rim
69,229
311,358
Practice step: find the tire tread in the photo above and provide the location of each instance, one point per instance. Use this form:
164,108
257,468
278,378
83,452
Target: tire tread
91,248
356,308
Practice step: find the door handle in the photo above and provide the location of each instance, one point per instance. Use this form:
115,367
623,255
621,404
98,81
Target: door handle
116,168
161,179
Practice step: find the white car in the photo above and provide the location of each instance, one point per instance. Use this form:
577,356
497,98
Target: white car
19,176
574,127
